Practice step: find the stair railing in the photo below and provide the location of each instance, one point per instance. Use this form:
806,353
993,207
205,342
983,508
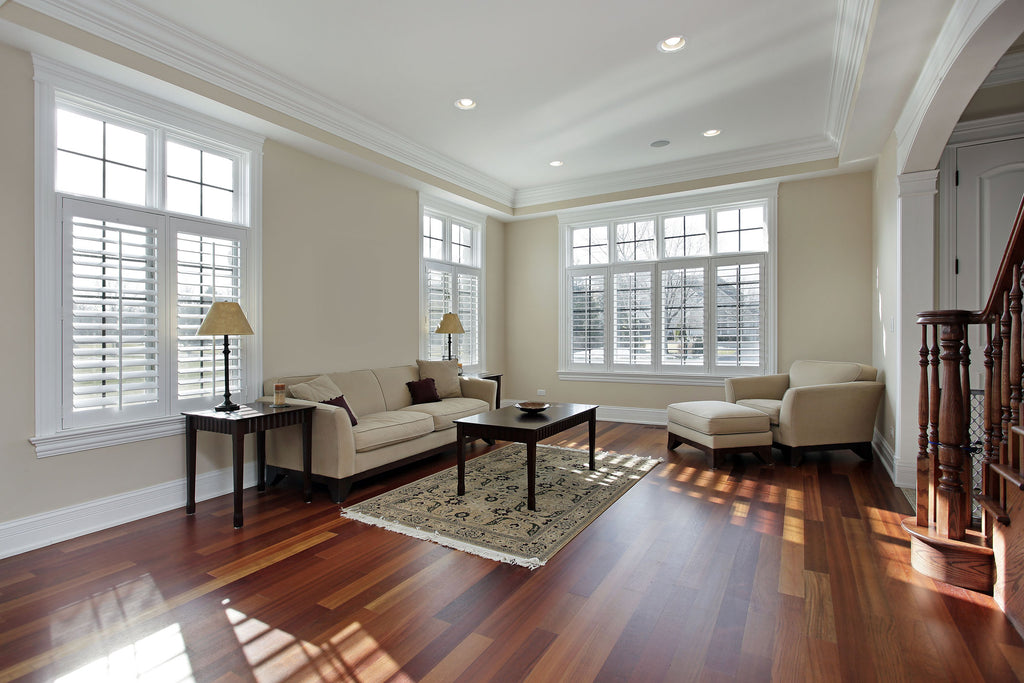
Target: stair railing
943,543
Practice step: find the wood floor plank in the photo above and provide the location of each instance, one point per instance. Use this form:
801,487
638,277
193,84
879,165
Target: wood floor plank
745,573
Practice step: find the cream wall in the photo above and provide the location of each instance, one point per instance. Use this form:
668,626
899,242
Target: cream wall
341,290
824,295
885,233
824,270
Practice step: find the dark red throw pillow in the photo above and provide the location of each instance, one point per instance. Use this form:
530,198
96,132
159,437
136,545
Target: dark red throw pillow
423,391
342,403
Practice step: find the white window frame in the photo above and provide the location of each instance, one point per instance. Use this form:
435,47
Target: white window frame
73,88
656,373
448,212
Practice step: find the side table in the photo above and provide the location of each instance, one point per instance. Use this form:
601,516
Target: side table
250,418
496,376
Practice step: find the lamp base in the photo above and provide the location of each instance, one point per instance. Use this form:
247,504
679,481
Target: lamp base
227,406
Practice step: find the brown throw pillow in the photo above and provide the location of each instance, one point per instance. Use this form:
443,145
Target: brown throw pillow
340,402
423,391
445,374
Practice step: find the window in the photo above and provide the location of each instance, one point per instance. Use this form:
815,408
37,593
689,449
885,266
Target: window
451,282
677,291
146,214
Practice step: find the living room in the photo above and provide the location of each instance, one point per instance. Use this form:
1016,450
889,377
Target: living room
341,267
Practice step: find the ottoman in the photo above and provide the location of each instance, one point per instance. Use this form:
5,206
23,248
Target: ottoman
719,429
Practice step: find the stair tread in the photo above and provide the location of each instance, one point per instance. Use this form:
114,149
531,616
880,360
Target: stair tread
1008,473
994,508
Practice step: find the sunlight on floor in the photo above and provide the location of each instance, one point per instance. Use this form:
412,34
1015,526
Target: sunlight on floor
157,657
351,654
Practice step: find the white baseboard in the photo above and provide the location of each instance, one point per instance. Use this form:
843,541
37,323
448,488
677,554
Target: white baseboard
37,531
886,455
643,416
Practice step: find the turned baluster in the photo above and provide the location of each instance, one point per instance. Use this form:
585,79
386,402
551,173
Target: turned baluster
1015,357
1004,379
923,458
987,424
968,452
933,437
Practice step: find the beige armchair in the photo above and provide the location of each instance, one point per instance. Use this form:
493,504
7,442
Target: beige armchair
818,405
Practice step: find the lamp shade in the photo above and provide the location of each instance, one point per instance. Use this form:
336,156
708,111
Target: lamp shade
450,324
225,317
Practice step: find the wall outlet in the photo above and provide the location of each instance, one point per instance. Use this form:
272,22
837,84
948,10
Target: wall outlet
542,392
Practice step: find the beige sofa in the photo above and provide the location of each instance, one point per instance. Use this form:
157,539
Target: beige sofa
818,405
391,431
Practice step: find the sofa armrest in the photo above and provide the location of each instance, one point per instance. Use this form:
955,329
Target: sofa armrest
829,413
483,389
334,444
764,386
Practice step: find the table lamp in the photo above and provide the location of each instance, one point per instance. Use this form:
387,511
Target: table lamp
450,324
225,317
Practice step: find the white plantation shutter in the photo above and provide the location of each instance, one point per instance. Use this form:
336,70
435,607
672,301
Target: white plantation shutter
682,318
468,310
208,269
111,313
438,295
738,315
587,324
633,318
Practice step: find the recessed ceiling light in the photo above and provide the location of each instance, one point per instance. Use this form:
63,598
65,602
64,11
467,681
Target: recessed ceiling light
555,163
660,143
672,44
711,133
465,103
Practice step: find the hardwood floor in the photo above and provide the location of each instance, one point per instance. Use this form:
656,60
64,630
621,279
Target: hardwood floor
746,573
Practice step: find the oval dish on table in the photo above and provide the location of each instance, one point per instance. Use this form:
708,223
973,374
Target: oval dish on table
532,407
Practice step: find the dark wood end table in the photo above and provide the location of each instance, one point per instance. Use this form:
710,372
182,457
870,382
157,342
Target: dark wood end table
512,424
250,418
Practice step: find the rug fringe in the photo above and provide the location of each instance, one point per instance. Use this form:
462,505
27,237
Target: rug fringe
434,537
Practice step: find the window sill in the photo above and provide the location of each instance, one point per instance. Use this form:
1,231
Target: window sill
72,441
645,378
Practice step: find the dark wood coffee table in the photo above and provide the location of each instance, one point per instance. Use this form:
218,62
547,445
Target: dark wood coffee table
512,424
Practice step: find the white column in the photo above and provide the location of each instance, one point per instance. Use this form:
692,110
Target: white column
916,253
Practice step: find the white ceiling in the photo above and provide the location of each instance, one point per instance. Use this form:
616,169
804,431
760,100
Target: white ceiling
580,81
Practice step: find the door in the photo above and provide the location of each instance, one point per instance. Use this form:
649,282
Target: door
991,183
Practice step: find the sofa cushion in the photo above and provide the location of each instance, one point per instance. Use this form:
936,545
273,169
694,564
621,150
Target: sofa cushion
449,409
320,389
805,373
445,374
394,426
423,391
340,402
769,406
392,382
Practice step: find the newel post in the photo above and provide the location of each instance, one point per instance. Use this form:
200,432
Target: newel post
951,503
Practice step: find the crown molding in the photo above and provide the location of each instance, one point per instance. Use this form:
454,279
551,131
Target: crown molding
853,29
138,30
141,31
1009,69
754,159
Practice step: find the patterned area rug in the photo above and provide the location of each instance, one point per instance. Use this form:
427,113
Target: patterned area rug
492,519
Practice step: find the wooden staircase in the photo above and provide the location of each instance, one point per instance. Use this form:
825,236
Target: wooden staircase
945,545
